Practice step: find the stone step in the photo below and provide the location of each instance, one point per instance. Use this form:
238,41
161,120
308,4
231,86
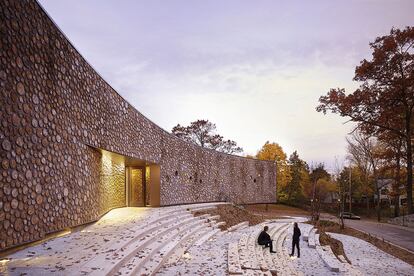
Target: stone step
204,208
258,249
311,240
220,223
206,237
274,234
116,247
245,260
328,257
205,216
154,263
251,247
239,226
306,234
317,242
140,256
113,262
215,217
233,261
283,256
89,254
196,240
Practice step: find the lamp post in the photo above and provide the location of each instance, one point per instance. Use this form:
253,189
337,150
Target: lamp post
339,208
312,209
341,219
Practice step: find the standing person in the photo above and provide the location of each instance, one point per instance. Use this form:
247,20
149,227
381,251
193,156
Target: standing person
264,239
295,239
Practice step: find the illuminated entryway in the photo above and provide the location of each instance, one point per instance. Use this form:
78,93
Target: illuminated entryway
128,181
136,188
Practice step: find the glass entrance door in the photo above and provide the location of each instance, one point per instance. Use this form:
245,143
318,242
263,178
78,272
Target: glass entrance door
136,187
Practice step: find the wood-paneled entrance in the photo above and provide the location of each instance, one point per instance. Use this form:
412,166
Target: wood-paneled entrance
136,186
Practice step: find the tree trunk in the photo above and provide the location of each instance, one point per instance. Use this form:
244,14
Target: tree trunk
409,184
397,184
378,205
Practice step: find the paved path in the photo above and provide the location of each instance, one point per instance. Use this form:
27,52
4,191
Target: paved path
399,235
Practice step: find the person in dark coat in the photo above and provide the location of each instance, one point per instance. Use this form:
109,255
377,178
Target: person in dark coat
264,239
295,239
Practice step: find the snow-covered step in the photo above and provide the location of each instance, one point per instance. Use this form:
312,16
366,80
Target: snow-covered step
282,255
241,225
220,223
205,216
317,242
306,234
113,262
195,240
274,234
215,217
251,247
259,250
204,208
208,235
195,206
328,257
152,265
311,240
244,252
115,251
133,263
233,260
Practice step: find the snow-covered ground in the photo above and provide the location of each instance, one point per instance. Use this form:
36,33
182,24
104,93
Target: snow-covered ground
130,233
370,260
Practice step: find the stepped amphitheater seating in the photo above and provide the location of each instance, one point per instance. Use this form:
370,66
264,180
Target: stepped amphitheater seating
166,234
311,238
239,226
324,252
306,234
248,258
328,257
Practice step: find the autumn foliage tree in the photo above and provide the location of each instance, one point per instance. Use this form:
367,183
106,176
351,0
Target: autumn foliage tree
203,133
321,185
274,152
384,101
299,176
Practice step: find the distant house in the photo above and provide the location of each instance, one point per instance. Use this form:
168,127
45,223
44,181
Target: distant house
386,187
331,197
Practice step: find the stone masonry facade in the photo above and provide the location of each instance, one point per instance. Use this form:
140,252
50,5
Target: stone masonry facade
56,111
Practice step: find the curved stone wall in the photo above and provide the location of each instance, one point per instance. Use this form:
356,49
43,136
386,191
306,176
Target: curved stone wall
55,110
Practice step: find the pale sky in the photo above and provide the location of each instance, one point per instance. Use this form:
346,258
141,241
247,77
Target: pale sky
255,68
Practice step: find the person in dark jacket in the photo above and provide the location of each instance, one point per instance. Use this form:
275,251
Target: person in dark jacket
264,239
295,239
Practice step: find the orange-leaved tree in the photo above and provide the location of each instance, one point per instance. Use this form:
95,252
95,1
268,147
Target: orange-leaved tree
384,101
274,152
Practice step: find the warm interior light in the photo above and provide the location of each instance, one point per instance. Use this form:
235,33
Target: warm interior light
112,180
4,261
